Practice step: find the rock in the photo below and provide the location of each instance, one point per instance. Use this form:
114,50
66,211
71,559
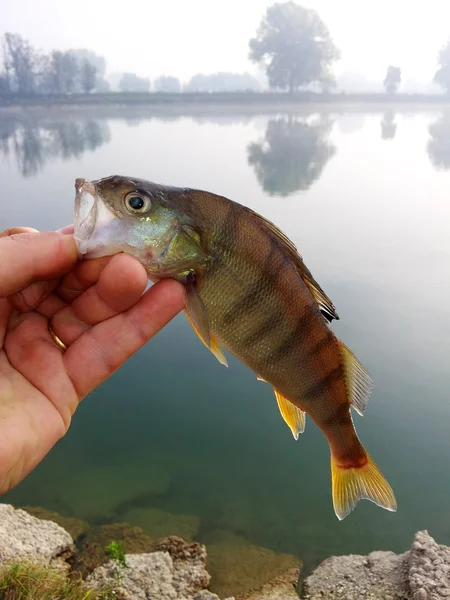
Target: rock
148,576
189,560
379,575
237,566
207,595
429,577
23,536
75,527
282,587
154,575
160,523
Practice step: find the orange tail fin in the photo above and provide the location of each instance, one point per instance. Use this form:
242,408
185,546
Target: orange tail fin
350,485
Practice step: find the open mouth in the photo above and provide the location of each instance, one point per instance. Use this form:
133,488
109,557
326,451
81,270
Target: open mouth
85,213
94,223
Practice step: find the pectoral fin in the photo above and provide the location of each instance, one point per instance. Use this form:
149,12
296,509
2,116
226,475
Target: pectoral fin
293,416
198,317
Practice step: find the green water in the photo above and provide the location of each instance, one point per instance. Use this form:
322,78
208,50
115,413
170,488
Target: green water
366,198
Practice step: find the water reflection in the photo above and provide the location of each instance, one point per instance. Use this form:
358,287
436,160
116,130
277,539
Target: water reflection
388,126
292,154
438,147
33,143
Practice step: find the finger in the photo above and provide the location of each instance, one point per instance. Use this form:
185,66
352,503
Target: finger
82,277
29,257
33,295
33,353
120,285
15,230
68,229
105,347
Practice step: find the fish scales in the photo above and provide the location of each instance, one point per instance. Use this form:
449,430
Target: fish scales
248,291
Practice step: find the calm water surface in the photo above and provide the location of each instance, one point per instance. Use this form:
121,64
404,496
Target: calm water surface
366,198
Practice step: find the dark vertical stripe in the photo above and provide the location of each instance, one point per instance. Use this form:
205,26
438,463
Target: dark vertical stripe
320,387
340,415
257,292
322,344
264,329
292,340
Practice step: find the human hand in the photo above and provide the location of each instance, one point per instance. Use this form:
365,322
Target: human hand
97,309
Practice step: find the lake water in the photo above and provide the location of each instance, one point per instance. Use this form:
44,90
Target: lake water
365,196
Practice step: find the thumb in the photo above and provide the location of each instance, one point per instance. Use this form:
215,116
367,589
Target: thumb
33,256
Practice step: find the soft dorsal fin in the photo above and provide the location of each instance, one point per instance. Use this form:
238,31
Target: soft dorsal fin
293,416
323,302
358,380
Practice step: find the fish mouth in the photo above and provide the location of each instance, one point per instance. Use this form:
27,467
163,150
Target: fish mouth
92,222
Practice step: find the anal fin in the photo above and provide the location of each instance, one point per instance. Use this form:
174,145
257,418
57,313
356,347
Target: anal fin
293,416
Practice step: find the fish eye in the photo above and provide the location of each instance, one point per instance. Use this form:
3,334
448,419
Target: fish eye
137,203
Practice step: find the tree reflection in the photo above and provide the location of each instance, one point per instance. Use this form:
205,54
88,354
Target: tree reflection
438,147
292,154
34,143
388,126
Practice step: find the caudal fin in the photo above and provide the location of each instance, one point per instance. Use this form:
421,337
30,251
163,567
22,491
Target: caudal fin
355,483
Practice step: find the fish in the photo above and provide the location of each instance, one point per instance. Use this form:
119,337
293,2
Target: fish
249,292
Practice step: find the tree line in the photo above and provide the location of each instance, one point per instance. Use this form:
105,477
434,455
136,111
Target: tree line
292,45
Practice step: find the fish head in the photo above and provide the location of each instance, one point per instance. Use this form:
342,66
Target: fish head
138,217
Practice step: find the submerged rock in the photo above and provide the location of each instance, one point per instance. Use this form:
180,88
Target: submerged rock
238,567
100,490
282,587
160,523
75,527
23,536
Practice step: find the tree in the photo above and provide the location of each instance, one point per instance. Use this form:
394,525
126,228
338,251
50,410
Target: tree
96,61
222,82
88,76
130,82
442,75
292,155
393,79
19,61
64,71
167,83
294,45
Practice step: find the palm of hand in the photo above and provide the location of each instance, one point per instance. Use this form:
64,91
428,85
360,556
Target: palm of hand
98,311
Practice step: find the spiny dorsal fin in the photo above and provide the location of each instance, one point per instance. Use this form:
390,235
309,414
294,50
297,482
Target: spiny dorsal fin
358,380
293,416
323,302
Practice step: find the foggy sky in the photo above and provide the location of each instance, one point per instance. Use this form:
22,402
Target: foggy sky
183,37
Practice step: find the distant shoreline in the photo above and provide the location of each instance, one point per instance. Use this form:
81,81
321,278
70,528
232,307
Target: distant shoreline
251,100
